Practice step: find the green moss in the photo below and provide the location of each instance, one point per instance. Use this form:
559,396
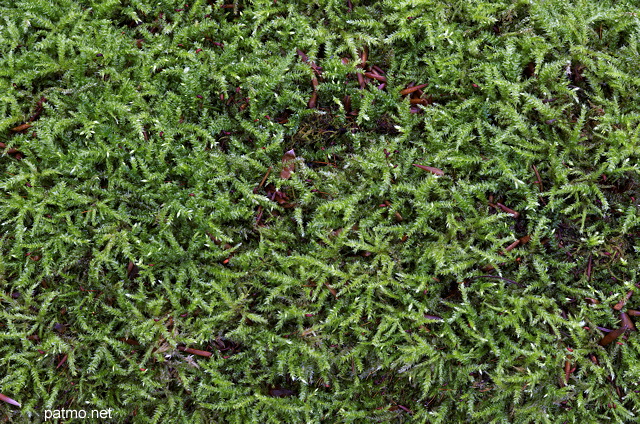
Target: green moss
143,212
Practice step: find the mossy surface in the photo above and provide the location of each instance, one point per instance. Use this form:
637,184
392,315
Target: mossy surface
164,254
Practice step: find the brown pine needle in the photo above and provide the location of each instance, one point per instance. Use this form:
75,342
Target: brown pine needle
62,361
613,335
332,290
512,246
626,321
195,351
621,304
412,89
375,76
21,127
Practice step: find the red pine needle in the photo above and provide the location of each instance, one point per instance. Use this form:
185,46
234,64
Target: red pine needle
431,169
9,400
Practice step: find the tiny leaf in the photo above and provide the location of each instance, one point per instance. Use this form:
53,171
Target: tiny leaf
289,165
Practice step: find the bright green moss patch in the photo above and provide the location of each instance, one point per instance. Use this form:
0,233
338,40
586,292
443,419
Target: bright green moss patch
154,260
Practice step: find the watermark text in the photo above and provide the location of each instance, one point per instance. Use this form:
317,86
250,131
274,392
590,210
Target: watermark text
68,414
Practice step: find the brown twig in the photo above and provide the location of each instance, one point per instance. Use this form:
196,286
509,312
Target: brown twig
507,210
538,177
255,190
324,163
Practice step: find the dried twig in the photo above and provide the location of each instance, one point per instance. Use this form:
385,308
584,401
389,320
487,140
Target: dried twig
507,210
539,182
255,190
